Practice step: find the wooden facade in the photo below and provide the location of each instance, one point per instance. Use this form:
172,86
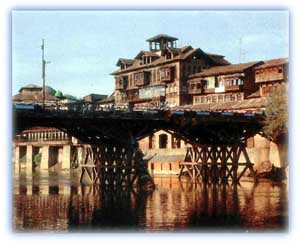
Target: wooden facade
223,83
164,65
273,74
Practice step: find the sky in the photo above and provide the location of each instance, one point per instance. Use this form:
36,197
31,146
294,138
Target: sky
83,46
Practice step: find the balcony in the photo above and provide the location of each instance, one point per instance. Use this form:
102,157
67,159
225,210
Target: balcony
234,88
195,90
121,83
141,79
166,74
208,90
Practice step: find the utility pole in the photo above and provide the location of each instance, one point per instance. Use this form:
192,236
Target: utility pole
44,72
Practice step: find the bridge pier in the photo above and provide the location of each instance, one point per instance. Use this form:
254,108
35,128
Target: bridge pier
29,159
214,163
66,160
17,159
45,158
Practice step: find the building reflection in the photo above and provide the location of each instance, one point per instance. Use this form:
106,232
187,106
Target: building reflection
54,202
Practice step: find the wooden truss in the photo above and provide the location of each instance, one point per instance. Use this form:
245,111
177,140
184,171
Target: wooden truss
107,165
211,163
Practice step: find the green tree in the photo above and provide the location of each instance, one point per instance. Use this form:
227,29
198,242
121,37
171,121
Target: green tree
59,94
276,123
71,97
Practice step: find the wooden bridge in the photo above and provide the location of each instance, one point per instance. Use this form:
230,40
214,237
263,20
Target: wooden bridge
218,140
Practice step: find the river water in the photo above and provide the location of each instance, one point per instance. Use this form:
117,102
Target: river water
52,202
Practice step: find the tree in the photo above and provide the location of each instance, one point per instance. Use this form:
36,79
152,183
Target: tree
276,123
58,94
71,97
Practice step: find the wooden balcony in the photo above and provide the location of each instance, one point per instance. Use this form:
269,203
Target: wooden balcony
166,74
141,79
208,90
121,83
195,90
234,88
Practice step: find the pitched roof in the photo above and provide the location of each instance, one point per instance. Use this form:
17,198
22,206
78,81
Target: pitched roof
30,86
214,54
219,59
162,36
109,99
94,97
273,62
225,69
34,97
179,54
147,54
253,103
124,61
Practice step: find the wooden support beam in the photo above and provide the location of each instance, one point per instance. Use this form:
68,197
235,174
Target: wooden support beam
212,163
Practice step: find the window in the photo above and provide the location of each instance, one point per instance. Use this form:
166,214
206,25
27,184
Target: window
270,89
204,82
163,140
232,97
214,99
175,142
220,98
264,90
202,99
208,99
279,70
165,73
239,97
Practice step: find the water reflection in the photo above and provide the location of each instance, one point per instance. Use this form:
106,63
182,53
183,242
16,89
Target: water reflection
56,202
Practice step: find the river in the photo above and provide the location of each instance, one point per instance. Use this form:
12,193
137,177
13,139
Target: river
55,202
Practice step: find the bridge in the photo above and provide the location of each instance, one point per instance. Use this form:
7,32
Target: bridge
218,140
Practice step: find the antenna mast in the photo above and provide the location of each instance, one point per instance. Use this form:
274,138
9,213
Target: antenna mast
44,72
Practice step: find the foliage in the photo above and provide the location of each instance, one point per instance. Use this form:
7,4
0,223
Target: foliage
59,94
71,97
276,124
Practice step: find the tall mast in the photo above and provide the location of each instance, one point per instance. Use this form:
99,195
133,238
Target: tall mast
43,72
44,62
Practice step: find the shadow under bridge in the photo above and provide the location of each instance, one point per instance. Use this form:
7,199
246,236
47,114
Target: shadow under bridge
112,155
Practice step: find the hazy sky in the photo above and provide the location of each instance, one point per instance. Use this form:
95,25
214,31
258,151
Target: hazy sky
84,46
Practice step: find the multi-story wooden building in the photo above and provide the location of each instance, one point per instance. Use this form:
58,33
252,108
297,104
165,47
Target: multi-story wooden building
271,75
221,84
159,76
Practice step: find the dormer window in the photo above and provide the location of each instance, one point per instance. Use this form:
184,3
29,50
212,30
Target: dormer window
124,63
